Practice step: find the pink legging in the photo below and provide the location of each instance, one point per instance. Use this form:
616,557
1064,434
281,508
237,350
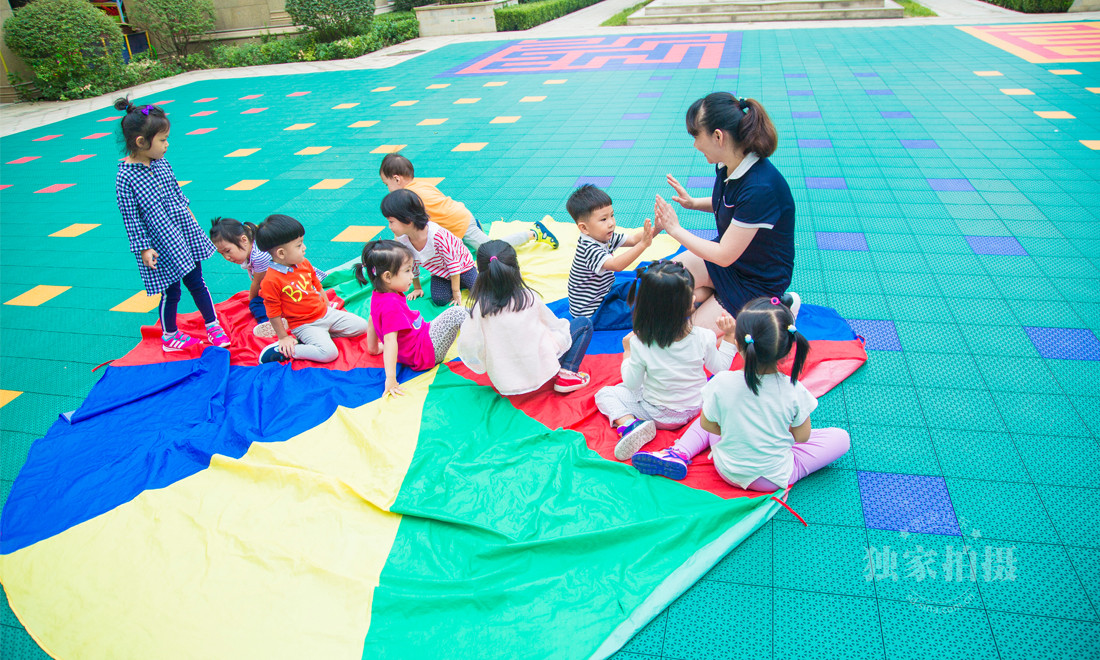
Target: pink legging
823,447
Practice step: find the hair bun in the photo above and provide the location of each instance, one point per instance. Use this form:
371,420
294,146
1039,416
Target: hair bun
124,104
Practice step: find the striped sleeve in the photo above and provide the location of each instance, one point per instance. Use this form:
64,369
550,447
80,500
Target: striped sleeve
451,256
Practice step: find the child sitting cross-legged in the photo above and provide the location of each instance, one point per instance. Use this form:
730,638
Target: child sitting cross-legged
292,293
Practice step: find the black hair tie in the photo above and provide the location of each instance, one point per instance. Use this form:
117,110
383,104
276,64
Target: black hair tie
743,104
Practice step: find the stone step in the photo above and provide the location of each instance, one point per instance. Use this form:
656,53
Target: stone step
279,19
640,18
667,8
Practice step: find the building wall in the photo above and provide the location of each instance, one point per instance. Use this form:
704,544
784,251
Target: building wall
11,61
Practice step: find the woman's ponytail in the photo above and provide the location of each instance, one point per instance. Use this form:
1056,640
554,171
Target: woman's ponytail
755,132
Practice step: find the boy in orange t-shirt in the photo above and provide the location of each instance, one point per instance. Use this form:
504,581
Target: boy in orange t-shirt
292,292
397,173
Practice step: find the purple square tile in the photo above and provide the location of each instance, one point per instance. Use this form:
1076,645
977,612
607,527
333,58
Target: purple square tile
815,144
951,185
708,234
880,92
701,182
800,92
617,144
896,114
907,503
878,335
660,77
598,181
826,183
794,75
635,115
649,95
865,74
919,144
725,76
806,115
1006,245
851,241
1065,343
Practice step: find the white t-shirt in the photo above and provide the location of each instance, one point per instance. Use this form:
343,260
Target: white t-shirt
756,437
673,377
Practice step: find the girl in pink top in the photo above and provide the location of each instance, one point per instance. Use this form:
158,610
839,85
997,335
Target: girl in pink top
399,333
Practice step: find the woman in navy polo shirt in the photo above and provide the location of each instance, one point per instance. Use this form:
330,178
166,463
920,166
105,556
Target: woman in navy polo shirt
753,254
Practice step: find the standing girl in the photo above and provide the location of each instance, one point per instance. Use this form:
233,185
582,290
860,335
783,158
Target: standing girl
513,336
756,422
663,359
434,248
163,234
396,331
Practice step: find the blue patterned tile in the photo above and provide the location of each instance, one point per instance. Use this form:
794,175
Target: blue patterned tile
1065,343
906,502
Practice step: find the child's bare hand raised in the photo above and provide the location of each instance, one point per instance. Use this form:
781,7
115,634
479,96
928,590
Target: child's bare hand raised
647,233
727,324
681,197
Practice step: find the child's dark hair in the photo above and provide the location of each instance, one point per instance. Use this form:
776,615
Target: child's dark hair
396,165
499,285
406,207
661,297
744,119
766,333
144,121
384,256
278,230
232,231
585,200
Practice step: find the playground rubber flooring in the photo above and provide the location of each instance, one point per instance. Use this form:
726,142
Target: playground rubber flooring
948,192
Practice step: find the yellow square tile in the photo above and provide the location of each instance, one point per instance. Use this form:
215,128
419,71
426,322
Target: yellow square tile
344,106
403,104
496,83
558,81
1092,144
182,183
138,303
38,295
312,151
987,74
7,396
438,86
364,124
505,120
297,127
1018,92
240,153
1094,90
330,184
471,146
1054,114
431,181
388,148
383,89
532,99
1065,72
356,234
74,230
466,101
432,122
247,184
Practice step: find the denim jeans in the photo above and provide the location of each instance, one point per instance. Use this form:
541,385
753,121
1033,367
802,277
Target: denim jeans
580,330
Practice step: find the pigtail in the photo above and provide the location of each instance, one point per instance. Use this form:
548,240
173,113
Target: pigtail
801,350
358,270
124,104
755,132
250,230
752,379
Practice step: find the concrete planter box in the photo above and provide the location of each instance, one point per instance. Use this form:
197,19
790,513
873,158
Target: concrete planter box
467,18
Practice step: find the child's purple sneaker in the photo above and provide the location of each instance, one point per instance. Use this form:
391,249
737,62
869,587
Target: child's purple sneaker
633,437
670,462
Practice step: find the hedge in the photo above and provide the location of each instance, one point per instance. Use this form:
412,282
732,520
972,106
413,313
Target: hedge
1034,6
528,15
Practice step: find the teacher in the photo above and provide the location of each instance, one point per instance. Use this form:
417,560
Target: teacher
753,254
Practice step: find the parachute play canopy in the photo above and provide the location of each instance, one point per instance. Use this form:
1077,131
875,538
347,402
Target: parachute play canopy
199,506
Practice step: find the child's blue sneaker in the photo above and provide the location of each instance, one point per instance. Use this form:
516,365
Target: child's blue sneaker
543,235
271,353
633,437
671,463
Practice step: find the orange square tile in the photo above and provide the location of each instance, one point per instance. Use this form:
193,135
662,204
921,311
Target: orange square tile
559,81
38,295
438,86
1018,92
532,99
1094,90
139,303
471,146
1054,114
330,184
431,181
466,101
1065,72
432,122
1092,144
496,83
297,127
388,148
241,153
7,396
505,120
383,89
364,124
75,229
356,234
182,183
247,184
344,106
403,104
312,151
988,74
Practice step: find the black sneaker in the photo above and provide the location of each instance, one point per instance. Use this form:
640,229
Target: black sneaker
271,354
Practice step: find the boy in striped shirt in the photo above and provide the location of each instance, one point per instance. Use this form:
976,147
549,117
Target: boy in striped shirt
594,265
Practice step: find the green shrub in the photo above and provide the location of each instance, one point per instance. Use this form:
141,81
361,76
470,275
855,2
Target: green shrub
332,19
177,22
71,46
1034,6
407,5
526,16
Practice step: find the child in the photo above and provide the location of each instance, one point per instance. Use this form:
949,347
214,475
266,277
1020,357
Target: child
756,422
397,173
434,248
513,336
663,359
236,242
593,269
163,234
404,334
292,293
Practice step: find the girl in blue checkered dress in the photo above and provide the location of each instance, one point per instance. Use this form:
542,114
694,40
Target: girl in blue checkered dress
164,235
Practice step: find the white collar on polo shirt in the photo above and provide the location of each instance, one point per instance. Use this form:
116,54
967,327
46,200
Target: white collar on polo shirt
748,161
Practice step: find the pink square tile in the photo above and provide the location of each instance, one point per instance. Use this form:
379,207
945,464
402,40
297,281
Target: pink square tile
201,131
77,159
297,93
5,186
207,99
24,159
46,137
55,187
252,111
94,136
249,97
204,113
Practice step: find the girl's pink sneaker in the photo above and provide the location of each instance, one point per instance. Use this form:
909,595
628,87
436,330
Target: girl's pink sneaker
179,341
217,336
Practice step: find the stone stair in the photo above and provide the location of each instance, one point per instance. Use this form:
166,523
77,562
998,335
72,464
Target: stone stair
280,19
673,12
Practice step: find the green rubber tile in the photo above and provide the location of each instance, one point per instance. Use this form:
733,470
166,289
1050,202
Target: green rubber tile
997,340
742,631
80,349
920,308
932,337
47,376
1040,414
987,311
978,454
1027,637
5,490
7,617
931,569
899,449
13,453
1044,313
829,497
826,625
33,413
837,281
944,370
1089,409
882,368
16,643
999,510
1018,374
1059,460
1086,561
648,641
1075,513
846,548
916,631
859,306
959,409
750,562
1030,578
873,404
1014,287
